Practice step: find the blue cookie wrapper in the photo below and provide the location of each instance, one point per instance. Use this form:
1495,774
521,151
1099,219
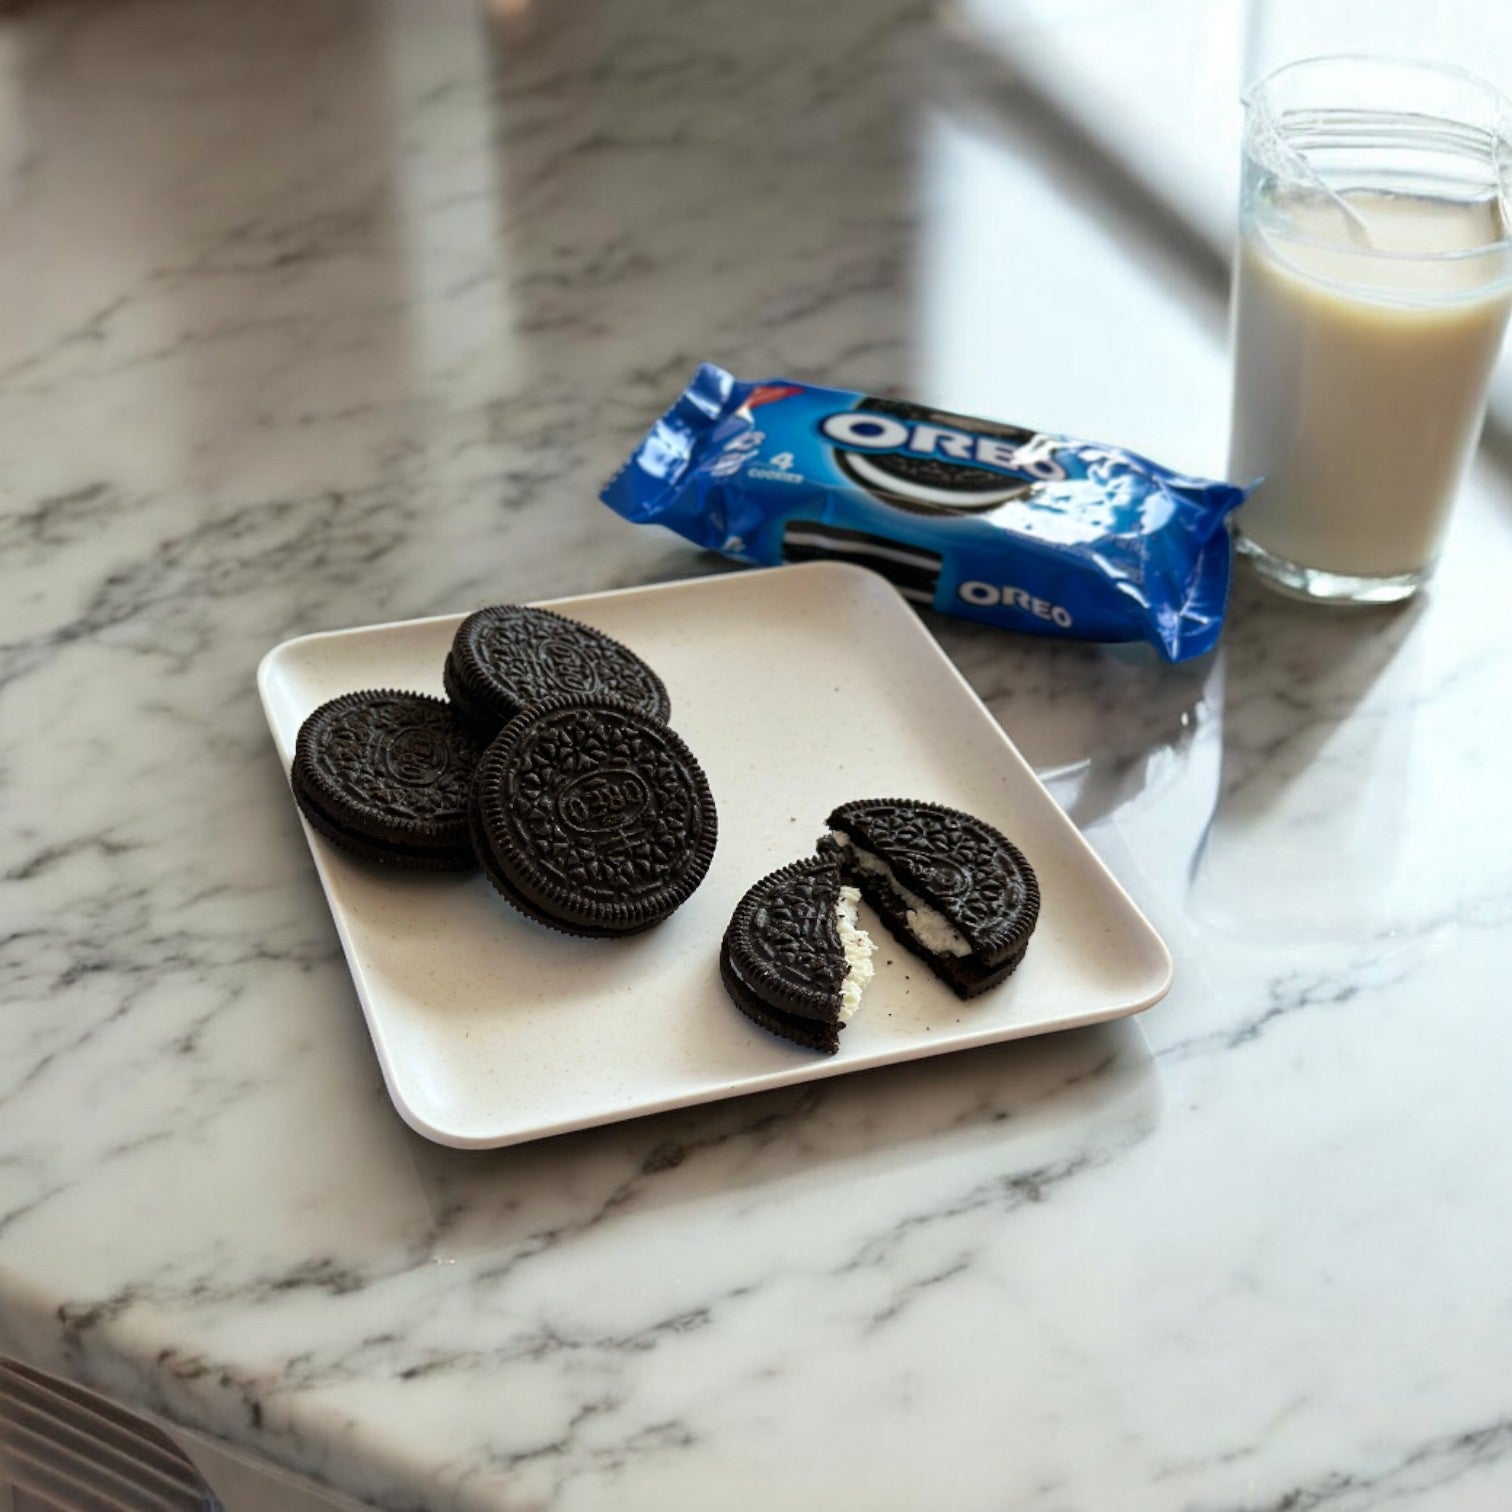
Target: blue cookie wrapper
985,521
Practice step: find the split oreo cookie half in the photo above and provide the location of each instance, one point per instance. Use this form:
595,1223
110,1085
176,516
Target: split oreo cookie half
933,485
592,817
505,658
386,776
913,570
951,888
793,959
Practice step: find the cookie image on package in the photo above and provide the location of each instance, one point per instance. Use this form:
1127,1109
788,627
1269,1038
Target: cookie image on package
933,485
592,817
505,658
912,570
386,776
950,888
794,959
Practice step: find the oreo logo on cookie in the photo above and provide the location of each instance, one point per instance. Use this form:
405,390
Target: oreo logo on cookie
566,664
599,802
933,462
941,875
417,756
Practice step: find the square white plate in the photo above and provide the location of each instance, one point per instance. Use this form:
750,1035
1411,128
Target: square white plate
798,688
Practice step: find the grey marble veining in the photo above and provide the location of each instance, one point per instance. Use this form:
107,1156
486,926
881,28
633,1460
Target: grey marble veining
329,314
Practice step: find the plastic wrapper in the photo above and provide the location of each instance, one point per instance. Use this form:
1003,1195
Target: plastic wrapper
986,521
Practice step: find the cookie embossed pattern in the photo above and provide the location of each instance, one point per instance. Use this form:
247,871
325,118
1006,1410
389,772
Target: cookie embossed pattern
593,818
386,775
506,657
950,888
782,959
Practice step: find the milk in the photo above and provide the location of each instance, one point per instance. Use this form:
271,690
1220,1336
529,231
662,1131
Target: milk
1360,376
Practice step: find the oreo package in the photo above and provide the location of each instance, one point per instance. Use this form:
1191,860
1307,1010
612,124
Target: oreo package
977,519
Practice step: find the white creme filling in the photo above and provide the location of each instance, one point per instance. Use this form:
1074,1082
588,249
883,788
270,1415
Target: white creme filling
858,953
927,925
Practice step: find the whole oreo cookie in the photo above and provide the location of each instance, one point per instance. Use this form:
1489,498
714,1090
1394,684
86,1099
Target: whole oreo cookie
951,888
508,657
387,775
793,959
592,817
933,485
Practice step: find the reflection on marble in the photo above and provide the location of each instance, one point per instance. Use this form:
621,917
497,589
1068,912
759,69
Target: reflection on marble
333,313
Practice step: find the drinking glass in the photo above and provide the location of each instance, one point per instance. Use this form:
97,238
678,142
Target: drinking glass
1372,285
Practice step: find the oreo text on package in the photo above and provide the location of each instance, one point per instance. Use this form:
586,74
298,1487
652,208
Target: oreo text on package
987,521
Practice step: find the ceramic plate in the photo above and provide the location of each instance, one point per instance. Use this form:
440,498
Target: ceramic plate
798,688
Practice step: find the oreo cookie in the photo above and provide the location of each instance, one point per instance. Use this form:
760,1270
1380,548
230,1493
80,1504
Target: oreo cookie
793,959
933,485
951,888
386,776
505,658
912,570
592,817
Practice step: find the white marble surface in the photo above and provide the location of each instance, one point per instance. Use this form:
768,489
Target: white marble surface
324,314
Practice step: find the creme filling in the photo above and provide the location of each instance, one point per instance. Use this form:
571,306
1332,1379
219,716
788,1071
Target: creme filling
858,952
927,925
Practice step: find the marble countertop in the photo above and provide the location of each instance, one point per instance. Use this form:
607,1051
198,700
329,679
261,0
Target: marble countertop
327,314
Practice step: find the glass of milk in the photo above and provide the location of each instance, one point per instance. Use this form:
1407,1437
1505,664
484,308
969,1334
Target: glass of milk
1373,283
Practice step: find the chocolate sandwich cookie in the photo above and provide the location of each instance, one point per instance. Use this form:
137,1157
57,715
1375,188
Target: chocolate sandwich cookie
933,485
913,570
508,657
951,889
793,959
386,775
592,817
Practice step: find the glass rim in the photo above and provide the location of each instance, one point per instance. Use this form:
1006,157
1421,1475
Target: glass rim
1251,98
